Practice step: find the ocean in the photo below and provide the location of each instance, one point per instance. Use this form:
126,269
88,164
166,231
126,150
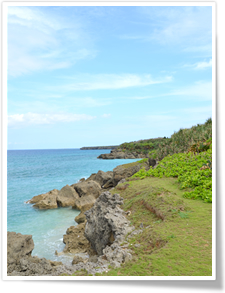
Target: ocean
32,172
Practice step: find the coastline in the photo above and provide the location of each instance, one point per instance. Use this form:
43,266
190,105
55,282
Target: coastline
133,190
80,181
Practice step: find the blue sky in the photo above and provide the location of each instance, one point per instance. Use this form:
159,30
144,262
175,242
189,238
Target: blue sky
87,76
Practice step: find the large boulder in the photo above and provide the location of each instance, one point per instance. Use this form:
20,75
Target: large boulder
84,203
102,177
18,246
49,195
20,262
88,188
106,222
55,198
46,201
123,171
67,196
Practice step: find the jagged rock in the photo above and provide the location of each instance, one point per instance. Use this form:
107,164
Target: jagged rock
93,258
88,188
21,263
102,177
119,154
77,259
106,223
67,196
81,218
46,200
121,172
108,184
75,240
55,198
91,177
116,255
18,246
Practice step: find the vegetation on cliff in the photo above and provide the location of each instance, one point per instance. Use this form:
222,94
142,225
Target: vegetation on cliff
196,138
193,171
175,236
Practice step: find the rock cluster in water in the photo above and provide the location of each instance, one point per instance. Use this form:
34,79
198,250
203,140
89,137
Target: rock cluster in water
82,195
103,231
95,242
119,154
21,263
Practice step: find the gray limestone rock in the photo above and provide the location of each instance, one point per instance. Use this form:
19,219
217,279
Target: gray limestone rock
106,223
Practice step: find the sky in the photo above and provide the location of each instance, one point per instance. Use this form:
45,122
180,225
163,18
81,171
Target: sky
103,75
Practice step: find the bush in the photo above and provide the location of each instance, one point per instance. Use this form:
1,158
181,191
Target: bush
188,169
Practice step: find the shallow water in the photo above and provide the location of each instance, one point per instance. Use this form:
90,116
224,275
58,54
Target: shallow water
32,172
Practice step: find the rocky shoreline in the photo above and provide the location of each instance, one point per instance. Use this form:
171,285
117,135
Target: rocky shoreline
120,154
100,147
95,242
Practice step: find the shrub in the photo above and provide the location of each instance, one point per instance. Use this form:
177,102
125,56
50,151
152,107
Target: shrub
187,168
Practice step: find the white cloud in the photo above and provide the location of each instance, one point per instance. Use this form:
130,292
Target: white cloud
109,81
38,119
175,25
39,40
200,65
106,115
201,90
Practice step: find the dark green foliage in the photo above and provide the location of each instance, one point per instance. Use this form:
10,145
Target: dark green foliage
195,139
190,171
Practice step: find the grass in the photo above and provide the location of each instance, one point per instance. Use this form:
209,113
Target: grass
177,230
179,245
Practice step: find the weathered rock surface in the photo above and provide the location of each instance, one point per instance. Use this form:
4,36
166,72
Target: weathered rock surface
67,196
84,203
99,147
102,177
116,255
88,187
106,223
55,198
18,246
119,154
46,200
121,172
77,259
21,263
81,218
75,240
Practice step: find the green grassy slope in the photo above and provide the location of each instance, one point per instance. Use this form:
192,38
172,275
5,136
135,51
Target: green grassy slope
177,234
173,203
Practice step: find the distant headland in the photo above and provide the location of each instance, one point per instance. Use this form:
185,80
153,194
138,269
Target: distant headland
100,147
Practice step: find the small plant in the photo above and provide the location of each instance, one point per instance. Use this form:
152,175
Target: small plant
183,215
171,236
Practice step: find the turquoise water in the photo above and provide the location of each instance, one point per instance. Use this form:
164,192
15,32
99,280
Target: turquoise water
32,172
